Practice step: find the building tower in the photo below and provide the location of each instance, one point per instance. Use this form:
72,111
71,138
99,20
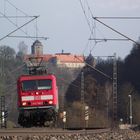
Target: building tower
37,48
90,60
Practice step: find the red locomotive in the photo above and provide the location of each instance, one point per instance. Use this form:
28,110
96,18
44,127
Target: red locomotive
37,100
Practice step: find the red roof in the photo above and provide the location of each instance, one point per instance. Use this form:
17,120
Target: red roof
62,57
70,58
45,57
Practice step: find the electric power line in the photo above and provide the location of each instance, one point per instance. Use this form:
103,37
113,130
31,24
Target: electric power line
108,39
97,19
85,16
16,16
102,73
25,15
15,23
18,28
118,18
66,81
92,28
116,31
17,8
41,37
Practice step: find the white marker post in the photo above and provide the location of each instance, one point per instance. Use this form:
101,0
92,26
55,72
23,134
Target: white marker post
86,116
64,118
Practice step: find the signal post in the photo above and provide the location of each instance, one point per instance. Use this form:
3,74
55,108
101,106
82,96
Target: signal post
86,116
64,119
3,112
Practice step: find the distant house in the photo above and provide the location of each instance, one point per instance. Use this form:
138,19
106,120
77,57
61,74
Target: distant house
63,60
68,60
36,59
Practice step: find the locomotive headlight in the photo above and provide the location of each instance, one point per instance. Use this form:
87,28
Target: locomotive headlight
24,103
50,102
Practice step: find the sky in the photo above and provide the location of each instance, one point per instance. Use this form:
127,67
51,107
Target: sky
64,23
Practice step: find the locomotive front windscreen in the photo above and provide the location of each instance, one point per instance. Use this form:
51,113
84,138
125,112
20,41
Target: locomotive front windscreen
36,84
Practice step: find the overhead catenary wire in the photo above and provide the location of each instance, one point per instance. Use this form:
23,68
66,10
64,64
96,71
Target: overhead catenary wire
19,67
41,37
86,46
124,18
92,27
11,72
93,46
109,56
4,10
125,36
15,23
17,8
85,16
64,80
89,8
88,43
18,28
102,73
16,16
68,82
36,29
59,77
109,39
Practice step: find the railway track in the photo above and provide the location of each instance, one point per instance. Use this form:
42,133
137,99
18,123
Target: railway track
43,131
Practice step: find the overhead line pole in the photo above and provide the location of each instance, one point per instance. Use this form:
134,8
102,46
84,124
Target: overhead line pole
109,39
13,22
104,56
29,37
115,31
82,88
17,16
82,98
18,28
117,17
115,91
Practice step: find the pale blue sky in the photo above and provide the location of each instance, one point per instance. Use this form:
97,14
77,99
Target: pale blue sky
64,23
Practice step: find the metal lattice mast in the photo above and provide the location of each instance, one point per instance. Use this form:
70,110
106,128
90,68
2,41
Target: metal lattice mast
82,98
1,112
82,88
115,88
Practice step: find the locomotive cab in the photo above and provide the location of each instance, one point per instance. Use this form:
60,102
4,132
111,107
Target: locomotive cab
37,99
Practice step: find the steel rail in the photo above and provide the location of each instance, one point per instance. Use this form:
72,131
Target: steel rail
53,131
